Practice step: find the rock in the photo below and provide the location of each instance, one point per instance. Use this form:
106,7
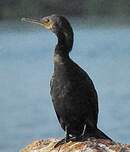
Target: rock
89,145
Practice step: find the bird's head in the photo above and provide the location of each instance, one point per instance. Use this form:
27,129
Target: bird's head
58,25
54,23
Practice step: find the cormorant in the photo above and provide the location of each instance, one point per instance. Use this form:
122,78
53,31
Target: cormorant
73,93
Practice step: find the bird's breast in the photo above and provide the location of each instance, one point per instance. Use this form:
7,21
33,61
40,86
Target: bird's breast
60,88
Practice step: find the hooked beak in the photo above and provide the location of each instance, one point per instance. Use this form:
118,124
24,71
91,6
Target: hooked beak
44,22
29,20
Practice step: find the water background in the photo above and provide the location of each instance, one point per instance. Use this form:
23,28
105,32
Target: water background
26,51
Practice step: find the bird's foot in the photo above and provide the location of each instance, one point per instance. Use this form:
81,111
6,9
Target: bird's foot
62,141
65,140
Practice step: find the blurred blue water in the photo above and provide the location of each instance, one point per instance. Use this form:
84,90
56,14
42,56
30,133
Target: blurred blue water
26,111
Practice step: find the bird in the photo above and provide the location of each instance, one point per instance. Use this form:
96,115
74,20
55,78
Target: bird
73,93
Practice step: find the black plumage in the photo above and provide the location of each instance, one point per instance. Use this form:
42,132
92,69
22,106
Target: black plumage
73,93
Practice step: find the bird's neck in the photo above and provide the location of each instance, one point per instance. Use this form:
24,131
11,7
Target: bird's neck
61,54
65,43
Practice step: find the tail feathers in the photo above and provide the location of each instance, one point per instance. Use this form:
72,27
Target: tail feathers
100,134
97,133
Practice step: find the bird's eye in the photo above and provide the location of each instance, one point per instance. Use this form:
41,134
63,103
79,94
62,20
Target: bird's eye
46,20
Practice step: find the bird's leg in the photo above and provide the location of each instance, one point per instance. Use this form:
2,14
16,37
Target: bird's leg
80,137
83,133
64,140
66,134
